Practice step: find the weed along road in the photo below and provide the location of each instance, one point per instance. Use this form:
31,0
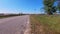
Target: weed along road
14,25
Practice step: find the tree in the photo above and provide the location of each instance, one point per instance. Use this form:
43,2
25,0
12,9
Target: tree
54,9
48,5
58,6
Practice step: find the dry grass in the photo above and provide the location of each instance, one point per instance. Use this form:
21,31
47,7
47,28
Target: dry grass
44,24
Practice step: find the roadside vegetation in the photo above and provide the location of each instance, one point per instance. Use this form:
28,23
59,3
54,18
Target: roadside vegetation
48,23
45,24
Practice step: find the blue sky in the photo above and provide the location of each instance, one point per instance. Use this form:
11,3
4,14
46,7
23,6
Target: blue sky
21,6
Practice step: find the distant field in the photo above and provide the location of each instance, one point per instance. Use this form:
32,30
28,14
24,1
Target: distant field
6,16
11,15
44,24
3,16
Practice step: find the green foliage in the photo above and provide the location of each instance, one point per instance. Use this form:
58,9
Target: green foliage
48,6
54,9
58,6
48,3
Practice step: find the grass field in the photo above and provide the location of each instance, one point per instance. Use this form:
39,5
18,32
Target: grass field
44,24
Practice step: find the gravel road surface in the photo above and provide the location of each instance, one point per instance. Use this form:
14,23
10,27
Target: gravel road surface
14,25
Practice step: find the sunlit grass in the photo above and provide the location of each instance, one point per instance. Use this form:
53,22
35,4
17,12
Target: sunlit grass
51,22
